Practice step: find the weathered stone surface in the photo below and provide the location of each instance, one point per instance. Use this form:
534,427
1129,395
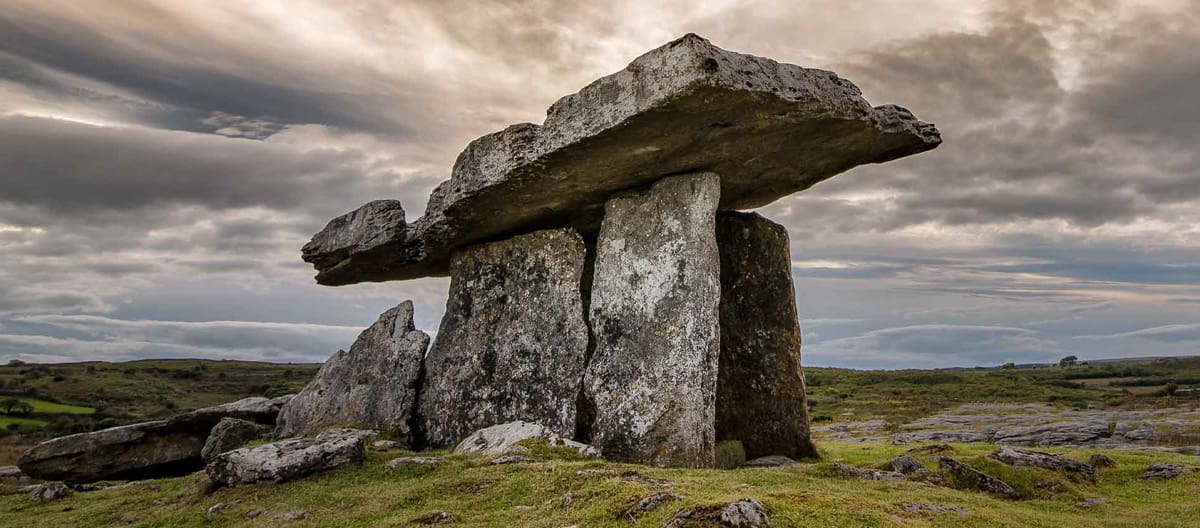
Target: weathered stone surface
1162,471
906,464
373,386
366,236
513,343
650,503
964,476
49,491
768,129
1024,457
747,513
290,459
230,434
13,475
146,450
760,389
654,314
866,473
502,439
411,461
770,461
1051,434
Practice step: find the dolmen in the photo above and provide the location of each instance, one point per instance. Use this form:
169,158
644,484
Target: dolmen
604,281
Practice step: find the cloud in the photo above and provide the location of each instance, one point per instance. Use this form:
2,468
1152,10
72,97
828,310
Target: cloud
933,346
1175,333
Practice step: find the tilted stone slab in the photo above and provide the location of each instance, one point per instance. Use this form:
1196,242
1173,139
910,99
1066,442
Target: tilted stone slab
160,448
373,386
768,129
512,342
653,375
289,459
760,389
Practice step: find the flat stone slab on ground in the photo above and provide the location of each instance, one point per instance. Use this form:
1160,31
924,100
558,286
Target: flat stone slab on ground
768,129
503,440
1024,457
290,459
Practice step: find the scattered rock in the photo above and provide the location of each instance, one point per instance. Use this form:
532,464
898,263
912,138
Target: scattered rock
933,508
729,454
1101,460
1052,434
501,439
866,473
513,459
760,389
684,105
255,513
650,503
964,476
13,475
746,513
286,460
294,515
652,378
593,472
47,492
770,461
410,461
1024,457
512,342
146,450
230,434
433,517
906,465
221,506
385,445
1161,471
373,386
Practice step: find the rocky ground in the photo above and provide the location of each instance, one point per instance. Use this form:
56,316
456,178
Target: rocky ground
1030,424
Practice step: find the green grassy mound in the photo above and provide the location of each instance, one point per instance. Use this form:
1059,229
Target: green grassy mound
554,494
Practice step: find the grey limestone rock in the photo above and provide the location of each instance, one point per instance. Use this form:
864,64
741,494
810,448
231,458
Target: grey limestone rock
1052,434
654,314
747,513
49,491
160,448
760,388
230,434
289,459
513,342
1024,457
906,464
366,236
770,461
502,440
13,475
866,473
966,477
411,461
768,129
372,386
1162,471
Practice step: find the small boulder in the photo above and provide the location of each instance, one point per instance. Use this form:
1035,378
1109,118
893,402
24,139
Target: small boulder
288,459
500,439
1162,471
650,503
1100,460
1027,458
49,491
770,461
513,459
255,513
747,513
433,517
230,434
906,464
967,477
294,515
385,445
866,473
222,506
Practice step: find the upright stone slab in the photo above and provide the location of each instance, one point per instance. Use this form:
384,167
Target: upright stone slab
372,386
760,390
513,341
653,375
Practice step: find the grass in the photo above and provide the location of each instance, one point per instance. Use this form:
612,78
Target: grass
42,406
477,495
6,420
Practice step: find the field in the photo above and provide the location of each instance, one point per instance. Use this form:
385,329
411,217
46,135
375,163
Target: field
478,494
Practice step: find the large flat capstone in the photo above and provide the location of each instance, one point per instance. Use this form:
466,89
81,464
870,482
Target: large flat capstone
512,342
653,375
768,129
373,386
760,390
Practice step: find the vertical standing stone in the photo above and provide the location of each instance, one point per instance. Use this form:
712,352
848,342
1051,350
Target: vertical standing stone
760,390
511,345
373,386
652,377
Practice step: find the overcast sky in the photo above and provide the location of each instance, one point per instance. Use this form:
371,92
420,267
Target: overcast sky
162,162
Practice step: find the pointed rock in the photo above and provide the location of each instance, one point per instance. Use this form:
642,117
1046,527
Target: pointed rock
373,386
